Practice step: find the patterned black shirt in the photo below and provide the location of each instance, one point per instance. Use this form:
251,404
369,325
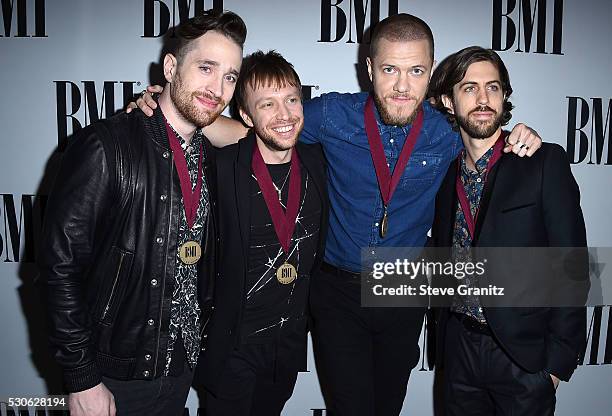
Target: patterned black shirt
273,309
185,311
473,181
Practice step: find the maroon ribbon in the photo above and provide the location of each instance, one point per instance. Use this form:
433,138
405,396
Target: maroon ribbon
462,195
386,182
284,222
191,199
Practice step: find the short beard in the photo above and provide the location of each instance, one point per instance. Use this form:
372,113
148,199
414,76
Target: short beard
273,144
479,130
183,101
392,119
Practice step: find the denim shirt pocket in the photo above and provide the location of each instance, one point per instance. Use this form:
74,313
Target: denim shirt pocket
421,171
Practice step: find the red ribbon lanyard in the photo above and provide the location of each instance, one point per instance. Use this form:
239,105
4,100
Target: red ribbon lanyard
462,195
284,222
191,200
386,182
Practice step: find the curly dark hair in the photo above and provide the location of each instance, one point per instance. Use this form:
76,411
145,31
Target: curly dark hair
452,70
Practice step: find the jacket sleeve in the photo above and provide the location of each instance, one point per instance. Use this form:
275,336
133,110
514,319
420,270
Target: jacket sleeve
565,227
76,206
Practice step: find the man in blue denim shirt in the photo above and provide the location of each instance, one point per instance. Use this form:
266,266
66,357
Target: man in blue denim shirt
364,356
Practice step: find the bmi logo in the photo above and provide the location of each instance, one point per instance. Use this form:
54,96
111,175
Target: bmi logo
81,104
521,22
23,18
588,131
598,350
20,227
350,16
158,14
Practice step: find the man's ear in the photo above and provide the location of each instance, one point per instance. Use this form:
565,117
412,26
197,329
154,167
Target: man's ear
170,67
369,65
246,118
448,103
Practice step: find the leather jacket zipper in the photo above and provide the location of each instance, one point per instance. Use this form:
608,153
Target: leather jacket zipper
110,298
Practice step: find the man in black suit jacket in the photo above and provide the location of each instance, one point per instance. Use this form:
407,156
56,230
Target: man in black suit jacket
503,361
272,206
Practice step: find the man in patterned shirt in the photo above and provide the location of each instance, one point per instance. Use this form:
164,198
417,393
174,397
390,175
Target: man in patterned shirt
505,361
130,237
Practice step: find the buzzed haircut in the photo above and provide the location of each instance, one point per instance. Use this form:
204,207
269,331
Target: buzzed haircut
401,27
228,24
261,69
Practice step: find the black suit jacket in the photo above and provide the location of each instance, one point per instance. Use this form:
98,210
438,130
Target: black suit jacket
527,202
233,179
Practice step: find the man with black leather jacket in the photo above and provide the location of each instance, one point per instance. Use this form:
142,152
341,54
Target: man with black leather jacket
129,240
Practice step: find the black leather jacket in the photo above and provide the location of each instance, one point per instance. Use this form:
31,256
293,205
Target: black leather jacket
109,250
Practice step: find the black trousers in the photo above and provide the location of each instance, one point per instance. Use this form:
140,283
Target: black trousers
163,396
364,356
480,379
248,385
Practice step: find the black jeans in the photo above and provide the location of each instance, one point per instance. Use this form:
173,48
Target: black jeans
248,386
480,379
364,356
163,396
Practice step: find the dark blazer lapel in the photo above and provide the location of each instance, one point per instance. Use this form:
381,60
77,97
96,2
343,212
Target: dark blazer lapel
485,198
311,157
315,168
242,177
447,208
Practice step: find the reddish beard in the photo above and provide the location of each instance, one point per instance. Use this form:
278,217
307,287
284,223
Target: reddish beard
391,119
273,143
183,100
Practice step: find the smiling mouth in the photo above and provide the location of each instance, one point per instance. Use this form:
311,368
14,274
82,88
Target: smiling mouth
208,102
284,129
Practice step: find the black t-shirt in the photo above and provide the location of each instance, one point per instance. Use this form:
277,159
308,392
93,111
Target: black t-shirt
270,305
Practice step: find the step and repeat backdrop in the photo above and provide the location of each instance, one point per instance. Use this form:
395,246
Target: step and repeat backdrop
69,63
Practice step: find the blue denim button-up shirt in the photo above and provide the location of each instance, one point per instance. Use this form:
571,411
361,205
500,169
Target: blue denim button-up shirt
337,122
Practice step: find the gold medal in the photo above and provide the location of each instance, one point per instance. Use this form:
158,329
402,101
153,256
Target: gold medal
190,252
383,225
286,274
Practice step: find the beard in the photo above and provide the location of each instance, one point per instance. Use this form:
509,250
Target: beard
183,100
394,119
274,143
478,129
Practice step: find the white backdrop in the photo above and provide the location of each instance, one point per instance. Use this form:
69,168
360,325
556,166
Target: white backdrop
65,62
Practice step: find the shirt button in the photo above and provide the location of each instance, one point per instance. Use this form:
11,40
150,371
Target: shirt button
148,357
146,373
376,224
372,252
150,322
478,180
159,240
163,197
154,282
166,155
391,141
424,162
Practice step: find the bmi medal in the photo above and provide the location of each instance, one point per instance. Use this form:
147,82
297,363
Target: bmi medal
190,251
284,222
